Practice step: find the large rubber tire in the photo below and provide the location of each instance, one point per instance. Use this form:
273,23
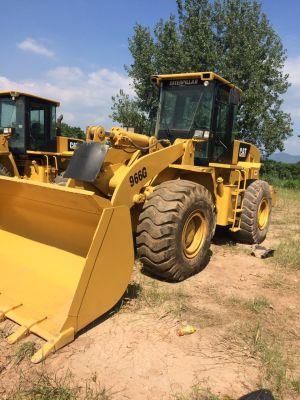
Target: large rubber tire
4,171
176,214
256,214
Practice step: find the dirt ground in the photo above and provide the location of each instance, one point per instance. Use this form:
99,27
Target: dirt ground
245,309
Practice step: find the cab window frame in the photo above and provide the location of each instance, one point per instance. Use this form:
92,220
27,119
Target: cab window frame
48,143
216,154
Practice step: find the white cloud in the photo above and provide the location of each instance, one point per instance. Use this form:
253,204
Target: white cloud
65,73
292,67
85,97
292,145
33,46
292,102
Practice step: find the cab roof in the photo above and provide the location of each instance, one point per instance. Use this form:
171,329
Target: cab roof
204,76
14,93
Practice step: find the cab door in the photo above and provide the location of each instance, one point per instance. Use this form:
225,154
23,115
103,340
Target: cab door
38,115
222,136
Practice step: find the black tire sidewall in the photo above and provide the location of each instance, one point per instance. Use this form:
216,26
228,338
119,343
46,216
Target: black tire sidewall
161,224
263,194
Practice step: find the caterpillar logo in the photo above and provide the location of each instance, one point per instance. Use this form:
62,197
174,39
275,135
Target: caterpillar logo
73,144
184,82
243,151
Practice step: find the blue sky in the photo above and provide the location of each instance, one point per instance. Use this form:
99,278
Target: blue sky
75,51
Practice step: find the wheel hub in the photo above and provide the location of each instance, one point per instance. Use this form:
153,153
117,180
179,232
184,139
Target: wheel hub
263,213
193,234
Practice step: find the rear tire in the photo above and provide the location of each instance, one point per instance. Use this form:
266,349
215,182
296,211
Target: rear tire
255,217
175,229
4,171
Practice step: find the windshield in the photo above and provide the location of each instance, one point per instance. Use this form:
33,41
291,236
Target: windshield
185,106
7,113
12,116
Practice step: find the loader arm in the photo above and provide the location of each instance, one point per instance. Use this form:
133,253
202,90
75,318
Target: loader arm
133,178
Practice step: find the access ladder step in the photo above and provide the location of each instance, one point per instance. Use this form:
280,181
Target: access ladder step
237,192
234,229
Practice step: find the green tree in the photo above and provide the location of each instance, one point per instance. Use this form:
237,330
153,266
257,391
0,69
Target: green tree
127,111
72,131
231,37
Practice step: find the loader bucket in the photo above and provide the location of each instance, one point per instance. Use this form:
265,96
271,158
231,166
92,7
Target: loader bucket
66,257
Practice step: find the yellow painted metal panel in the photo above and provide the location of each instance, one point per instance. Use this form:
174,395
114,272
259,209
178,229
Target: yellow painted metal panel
152,164
16,94
208,75
57,270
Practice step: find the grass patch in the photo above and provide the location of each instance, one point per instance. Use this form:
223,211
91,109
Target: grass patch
155,296
173,301
276,281
257,304
162,300
24,351
199,393
5,330
206,318
257,341
287,253
296,385
286,211
43,386
234,301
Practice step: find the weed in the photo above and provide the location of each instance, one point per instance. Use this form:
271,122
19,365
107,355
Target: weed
275,365
24,351
287,253
287,209
129,299
263,344
198,393
234,301
5,330
205,318
93,391
46,387
276,281
295,383
257,304
153,295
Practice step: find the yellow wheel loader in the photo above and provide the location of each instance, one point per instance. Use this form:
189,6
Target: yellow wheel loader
67,252
30,143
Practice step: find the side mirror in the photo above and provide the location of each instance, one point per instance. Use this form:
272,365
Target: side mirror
234,96
58,125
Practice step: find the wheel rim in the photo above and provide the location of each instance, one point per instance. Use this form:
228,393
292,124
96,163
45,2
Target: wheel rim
263,214
193,234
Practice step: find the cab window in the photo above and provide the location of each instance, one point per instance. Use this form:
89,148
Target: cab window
223,128
223,112
52,122
37,124
12,115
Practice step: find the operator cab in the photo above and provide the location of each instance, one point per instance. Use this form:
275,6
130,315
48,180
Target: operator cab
202,106
33,120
